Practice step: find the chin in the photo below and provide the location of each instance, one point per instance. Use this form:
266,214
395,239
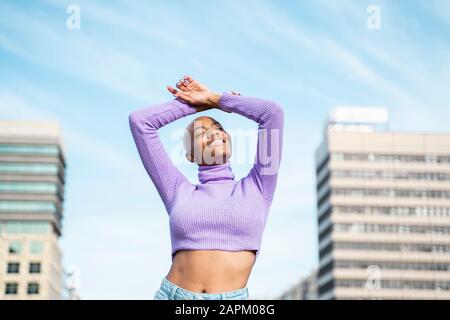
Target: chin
219,157
216,155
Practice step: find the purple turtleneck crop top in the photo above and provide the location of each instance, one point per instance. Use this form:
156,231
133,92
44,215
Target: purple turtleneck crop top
219,213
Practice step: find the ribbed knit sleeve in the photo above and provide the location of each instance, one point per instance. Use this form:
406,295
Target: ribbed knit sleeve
270,118
144,124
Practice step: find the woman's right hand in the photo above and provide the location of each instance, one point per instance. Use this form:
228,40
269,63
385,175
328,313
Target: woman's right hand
192,92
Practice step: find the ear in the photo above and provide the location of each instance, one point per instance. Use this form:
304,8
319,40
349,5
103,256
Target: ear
189,157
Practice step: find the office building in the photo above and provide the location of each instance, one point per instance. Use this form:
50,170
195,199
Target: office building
32,165
383,201
305,289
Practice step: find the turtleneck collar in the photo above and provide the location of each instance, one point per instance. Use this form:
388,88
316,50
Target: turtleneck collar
215,172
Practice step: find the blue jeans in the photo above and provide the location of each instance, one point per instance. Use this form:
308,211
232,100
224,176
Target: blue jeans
170,291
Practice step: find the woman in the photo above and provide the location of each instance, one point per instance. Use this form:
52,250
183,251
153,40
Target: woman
216,226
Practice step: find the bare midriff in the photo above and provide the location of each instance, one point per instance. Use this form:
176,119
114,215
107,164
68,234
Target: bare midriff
211,271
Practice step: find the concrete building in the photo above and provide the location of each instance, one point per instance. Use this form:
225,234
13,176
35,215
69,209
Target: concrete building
32,165
306,289
383,201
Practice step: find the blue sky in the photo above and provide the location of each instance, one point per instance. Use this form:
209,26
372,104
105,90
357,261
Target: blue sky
308,56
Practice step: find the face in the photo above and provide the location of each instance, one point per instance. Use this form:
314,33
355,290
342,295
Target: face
209,142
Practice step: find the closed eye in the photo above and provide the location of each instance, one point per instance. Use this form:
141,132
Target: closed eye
199,134
203,131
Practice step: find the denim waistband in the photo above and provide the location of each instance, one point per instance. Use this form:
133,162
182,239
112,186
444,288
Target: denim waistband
175,292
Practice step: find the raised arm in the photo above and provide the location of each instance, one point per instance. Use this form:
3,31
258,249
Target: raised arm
270,119
144,124
268,115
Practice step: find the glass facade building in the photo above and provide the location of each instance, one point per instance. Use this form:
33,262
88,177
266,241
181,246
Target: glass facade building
32,173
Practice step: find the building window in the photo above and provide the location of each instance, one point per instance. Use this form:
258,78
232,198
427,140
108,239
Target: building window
36,247
28,206
398,284
33,288
385,265
29,149
11,288
390,192
35,267
13,267
400,211
28,187
38,227
38,168
393,158
15,247
361,227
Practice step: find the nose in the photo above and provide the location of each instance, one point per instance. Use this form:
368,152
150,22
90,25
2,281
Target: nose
213,133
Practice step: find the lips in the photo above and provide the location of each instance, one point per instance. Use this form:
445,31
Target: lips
216,143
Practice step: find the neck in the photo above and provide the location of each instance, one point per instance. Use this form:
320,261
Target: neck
215,172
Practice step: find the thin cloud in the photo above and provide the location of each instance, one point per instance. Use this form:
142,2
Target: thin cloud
89,147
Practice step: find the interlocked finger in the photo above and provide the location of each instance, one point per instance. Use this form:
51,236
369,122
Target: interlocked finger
182,84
